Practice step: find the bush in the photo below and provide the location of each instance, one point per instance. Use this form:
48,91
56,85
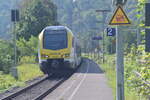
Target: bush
6,56
138,62
5,63
27,48
25,71
27,59
8,82
28,71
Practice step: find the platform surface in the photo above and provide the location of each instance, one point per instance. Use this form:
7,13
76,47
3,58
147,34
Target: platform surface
88,83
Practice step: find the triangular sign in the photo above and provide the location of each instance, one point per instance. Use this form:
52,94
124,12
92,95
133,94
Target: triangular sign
119,17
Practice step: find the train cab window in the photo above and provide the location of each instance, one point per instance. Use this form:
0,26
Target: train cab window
55,39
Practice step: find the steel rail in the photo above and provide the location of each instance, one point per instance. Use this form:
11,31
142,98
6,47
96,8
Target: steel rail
9,97
58,82
44,94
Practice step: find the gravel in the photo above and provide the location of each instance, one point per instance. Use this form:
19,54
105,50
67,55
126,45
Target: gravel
37,90
17,88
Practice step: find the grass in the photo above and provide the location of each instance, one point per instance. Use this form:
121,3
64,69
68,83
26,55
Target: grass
111,76
28,71
25,71
7,81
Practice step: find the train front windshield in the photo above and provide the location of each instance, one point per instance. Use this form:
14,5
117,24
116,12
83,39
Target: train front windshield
55,39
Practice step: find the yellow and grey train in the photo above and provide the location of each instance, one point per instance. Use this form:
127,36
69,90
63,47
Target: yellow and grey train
59,50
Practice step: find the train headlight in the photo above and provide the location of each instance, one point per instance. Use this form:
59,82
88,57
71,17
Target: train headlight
67,55
45,56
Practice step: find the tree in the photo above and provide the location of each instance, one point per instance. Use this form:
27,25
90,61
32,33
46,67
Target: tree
36,15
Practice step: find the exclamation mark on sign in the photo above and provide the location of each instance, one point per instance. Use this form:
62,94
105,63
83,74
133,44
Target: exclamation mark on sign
120,18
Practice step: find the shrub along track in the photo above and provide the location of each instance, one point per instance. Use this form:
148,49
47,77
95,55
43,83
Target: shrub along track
38,90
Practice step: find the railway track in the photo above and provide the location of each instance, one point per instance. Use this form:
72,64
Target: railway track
39,89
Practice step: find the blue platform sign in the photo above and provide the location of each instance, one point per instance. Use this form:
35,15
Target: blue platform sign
97,38
111,31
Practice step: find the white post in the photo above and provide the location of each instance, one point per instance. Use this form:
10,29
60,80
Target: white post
120,65
104,18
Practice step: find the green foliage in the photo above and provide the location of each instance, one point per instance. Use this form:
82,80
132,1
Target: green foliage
6,82
5,63
26,72
36,15
28,48
27,59
87,23
138,61
82,18
6,56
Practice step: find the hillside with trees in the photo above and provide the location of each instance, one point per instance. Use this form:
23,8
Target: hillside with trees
5,23
81,17
34,16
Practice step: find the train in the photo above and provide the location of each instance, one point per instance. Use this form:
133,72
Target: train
59,50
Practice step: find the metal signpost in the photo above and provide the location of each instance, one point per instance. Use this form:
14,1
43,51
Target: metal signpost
138,32
147,30
14,19
111,32
119,18
147,24
104,12
96,38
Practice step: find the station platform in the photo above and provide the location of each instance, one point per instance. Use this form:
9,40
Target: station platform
88,83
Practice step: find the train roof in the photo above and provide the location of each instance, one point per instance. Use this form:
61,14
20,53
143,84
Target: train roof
55,28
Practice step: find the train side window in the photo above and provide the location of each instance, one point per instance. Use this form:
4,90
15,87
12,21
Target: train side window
78,50
73,42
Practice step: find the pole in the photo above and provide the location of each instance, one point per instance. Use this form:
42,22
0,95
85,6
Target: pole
119,60
15,48
120,65
14,70
138,33
138,36
104,17
147,29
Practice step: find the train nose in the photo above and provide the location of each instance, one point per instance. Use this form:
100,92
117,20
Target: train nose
55,64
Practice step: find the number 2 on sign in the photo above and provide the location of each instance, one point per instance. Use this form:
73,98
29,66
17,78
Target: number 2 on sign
109,31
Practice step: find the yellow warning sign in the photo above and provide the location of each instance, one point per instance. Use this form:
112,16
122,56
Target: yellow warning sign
119,17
